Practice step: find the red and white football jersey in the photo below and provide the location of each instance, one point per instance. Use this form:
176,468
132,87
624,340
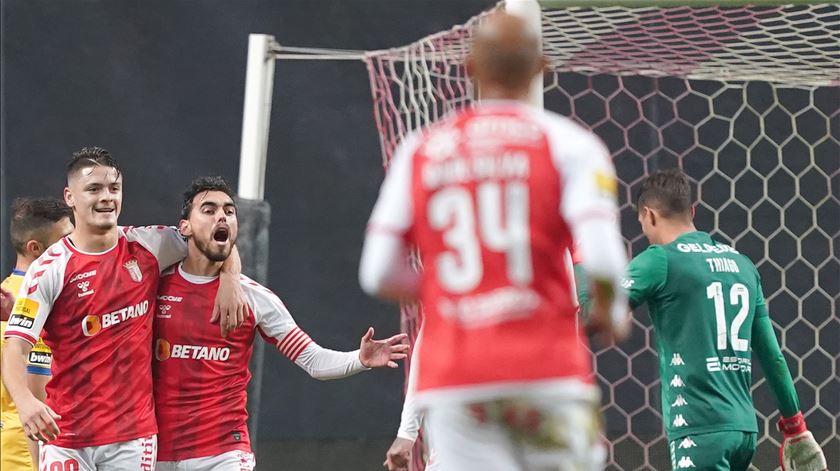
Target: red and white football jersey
200,377
488,196
98,308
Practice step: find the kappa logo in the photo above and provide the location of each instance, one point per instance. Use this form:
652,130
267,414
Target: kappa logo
677,360
82,276
83,287
685,462
679,421
687,442
134,270
680,401
677,382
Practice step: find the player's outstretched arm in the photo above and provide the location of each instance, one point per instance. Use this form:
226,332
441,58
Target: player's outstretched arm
799,451
324,364
37,419
382,353
230,307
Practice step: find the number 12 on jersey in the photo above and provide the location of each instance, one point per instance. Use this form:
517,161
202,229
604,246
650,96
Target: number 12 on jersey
738,296
460,269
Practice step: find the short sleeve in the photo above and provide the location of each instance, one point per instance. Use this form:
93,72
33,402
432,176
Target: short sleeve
164,242
393,211
275,322
647,274
39,290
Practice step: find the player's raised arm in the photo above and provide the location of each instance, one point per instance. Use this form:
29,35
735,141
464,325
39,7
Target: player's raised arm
278,327
799,450
385,270
588,204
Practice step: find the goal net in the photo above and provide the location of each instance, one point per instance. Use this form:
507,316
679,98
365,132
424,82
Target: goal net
746,100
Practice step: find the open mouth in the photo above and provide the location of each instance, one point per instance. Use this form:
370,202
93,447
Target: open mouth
221,234
104,210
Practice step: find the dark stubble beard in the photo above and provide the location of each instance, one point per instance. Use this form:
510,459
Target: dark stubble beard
212,255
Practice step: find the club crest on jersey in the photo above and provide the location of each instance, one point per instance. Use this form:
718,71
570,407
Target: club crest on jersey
134,270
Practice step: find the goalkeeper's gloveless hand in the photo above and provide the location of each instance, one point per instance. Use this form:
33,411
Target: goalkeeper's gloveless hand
799,451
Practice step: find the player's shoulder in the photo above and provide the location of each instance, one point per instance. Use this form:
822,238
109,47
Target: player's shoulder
653,255
133,233
256,289
52,257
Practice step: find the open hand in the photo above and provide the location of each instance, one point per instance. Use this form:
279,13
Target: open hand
380,353
399,455
38,420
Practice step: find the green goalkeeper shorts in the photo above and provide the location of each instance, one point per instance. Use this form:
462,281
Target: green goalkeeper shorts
718,451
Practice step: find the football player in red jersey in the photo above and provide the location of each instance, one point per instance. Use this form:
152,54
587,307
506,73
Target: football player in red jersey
492,197
200,378
99,412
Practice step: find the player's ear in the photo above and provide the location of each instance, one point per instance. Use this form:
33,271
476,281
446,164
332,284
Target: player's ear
184,227
68,197
33,249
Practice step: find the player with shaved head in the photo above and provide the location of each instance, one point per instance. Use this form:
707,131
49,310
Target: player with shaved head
493,197
93,292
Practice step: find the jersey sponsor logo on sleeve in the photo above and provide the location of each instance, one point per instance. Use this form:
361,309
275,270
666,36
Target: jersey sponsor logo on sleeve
627,283
134,270
729,363
677,382
40,358
677,360
606,183
92,325
164,350
23,313
82,276
679,401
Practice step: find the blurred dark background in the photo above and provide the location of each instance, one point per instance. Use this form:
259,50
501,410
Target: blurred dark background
160,84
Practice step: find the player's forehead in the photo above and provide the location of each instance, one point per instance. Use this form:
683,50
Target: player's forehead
96,174
212,198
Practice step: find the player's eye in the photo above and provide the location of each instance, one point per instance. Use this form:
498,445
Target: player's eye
230,211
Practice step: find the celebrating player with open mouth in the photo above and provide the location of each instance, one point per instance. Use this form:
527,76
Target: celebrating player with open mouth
99,412
200,377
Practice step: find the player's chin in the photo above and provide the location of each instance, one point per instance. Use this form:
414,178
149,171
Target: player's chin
219,254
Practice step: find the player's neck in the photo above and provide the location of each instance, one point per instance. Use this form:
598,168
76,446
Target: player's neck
495,92
673,230
22,263
93,240
198,264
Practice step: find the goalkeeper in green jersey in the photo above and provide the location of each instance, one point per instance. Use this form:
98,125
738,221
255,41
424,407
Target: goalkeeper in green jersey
709,314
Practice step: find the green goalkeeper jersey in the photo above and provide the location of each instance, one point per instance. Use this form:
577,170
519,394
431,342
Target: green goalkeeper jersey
703,298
